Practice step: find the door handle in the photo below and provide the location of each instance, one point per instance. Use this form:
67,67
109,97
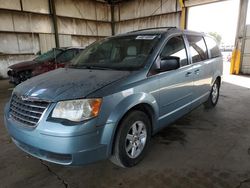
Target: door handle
188,74
197,71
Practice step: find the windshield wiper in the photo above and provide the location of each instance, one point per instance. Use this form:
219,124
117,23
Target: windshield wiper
89,67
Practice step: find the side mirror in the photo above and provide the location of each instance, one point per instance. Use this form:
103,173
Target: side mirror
169,63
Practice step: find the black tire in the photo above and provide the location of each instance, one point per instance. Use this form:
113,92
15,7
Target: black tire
212,100
120,156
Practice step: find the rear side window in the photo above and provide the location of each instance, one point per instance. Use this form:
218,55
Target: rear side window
175,47
213,47
198,49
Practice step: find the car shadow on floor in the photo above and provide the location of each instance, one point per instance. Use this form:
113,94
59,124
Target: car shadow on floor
170,134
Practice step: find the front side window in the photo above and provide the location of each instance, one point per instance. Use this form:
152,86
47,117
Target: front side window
198,49
48,56
121,53
175,47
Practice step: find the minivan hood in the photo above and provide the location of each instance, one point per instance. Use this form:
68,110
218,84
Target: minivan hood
68,83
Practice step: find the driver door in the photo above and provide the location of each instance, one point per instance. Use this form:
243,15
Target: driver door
176,86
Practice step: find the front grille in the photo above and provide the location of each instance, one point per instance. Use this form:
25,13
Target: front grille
27,111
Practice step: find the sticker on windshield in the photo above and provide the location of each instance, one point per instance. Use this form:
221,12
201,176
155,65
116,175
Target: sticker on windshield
145,37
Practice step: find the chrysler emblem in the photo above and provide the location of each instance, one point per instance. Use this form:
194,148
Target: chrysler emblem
24,98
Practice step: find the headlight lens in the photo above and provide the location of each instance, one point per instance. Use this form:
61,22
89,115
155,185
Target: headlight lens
77,110
10,72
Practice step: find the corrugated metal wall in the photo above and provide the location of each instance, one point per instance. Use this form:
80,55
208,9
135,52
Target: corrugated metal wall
140,14
245,67
80,22
26,26
21,23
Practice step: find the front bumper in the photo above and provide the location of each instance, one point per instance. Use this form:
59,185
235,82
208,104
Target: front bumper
14,80
73,150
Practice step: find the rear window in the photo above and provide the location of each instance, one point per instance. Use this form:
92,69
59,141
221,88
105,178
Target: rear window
213,47
198,49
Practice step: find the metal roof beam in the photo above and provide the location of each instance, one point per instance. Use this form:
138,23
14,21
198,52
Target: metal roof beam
191,3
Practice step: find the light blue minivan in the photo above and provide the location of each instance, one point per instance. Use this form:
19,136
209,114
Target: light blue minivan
114,96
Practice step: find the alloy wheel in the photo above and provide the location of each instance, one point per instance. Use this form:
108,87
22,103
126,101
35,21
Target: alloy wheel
136,139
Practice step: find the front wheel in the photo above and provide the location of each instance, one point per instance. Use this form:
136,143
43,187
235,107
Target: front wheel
214,95
132,139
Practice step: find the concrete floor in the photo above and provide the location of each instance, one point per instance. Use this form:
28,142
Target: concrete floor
203,149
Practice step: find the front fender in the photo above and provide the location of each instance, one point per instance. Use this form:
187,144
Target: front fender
121,109
129,102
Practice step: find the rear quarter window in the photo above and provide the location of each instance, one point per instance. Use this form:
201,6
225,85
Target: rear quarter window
212,47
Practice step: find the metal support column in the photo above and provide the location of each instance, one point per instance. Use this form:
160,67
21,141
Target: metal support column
54,19
239,40
112,8
183,24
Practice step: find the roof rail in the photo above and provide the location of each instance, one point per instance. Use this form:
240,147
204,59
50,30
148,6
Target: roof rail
153,28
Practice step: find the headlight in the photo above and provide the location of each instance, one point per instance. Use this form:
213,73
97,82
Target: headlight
10,72
77,110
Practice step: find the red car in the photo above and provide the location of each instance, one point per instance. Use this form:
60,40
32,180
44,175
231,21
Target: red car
53,59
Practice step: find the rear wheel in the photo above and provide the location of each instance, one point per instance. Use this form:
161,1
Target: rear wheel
132,139
214,95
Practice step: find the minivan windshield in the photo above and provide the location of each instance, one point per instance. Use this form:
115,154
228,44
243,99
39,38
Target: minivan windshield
49,55
121,53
